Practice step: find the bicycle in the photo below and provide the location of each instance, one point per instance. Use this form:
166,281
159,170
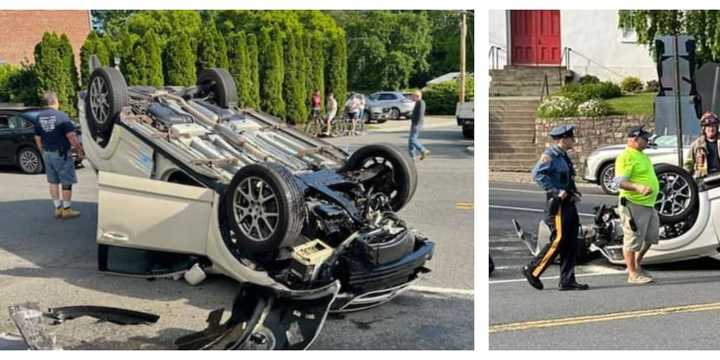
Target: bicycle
315,124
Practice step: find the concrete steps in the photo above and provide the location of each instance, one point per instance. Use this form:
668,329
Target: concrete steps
512,131
526,80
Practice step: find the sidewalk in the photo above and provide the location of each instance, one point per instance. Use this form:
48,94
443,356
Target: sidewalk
431,122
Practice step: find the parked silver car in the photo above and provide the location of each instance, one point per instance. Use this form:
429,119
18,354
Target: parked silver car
397,103
600,164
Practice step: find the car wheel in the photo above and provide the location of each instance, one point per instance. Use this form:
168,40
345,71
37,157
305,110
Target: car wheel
30,161
107,95
402,183
468,132
678,194
606,179
219,85
395,113
265,207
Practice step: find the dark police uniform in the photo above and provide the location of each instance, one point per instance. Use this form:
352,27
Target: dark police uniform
554,173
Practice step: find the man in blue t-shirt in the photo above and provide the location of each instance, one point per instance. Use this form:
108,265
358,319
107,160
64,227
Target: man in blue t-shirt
54,136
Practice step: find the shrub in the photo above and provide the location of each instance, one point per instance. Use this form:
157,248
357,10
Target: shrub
55,70
556,106
584,92
588,79
652,86
441,99
593,107
7,72
179,61
631,84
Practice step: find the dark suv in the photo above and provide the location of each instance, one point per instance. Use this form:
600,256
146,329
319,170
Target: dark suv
17,139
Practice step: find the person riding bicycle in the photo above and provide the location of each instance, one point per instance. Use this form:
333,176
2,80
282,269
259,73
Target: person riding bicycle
315,104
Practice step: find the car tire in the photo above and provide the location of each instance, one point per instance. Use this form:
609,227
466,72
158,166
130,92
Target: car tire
404,174
219,84
106,97
395,113
30,161
278,194
605,179
678,196
381,120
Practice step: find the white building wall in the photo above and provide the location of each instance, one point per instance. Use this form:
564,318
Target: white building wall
600,48
498,24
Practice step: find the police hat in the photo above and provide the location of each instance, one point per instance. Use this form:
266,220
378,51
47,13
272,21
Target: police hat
638,131
562,131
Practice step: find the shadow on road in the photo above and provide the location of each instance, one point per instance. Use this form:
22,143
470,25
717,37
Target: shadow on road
66,249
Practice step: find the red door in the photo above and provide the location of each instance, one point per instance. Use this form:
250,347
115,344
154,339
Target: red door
535,37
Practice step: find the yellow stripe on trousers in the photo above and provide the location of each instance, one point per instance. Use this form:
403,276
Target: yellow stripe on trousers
553,248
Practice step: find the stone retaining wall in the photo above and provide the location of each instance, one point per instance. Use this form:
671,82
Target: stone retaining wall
590,134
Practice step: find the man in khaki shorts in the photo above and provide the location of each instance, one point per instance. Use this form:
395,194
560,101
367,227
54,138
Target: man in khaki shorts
639,188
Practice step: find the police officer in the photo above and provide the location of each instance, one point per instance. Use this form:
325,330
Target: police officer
555,174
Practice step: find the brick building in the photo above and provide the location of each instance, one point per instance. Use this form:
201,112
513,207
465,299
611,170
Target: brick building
20,30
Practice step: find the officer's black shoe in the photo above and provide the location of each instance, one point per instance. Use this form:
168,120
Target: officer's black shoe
534,282
573,286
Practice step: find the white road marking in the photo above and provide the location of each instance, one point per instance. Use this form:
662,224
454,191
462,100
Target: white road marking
542,192
606,272
529,209
444,291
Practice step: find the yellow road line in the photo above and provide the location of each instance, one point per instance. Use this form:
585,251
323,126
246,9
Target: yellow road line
464,205
602,317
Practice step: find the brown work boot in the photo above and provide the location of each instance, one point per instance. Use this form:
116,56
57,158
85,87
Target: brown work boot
58,212
424,154
69,213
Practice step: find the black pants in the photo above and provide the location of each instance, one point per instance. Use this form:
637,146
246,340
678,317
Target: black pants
562,218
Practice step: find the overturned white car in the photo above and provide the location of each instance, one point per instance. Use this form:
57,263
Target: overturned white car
688,228
188,180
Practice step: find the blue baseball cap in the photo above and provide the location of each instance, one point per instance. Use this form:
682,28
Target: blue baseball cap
562,131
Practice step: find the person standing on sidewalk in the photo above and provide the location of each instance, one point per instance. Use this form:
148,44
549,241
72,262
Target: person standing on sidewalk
332,111
555,173
54,135
639,187
416,123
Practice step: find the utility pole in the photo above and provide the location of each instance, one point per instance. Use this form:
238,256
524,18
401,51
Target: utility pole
461,78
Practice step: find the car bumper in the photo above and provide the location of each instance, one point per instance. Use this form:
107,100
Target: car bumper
366,286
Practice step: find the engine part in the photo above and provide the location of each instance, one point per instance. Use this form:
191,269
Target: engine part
307,260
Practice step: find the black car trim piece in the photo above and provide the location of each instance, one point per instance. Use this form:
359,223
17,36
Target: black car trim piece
105,313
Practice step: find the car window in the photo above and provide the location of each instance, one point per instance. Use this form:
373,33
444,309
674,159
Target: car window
17,122
373,97
666,141
4,123
387,97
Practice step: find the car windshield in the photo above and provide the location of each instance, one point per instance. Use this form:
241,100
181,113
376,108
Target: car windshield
665,141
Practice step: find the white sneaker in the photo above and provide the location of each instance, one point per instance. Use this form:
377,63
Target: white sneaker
639,280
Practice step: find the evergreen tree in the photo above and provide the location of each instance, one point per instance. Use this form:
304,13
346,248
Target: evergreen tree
135,66
294,83
272,71
211,48
94,45
316,57
68,55
254,72
179,61
240,66
153,53
52,71
336,73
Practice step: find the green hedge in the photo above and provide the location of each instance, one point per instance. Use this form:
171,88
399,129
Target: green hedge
584,92
441,99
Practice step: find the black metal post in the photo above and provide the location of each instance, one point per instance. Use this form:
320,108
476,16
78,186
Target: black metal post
715,85
678,113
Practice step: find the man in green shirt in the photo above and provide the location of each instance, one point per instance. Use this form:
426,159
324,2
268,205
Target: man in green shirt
639,187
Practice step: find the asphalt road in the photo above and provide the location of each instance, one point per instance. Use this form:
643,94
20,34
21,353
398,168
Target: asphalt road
53,262
680,311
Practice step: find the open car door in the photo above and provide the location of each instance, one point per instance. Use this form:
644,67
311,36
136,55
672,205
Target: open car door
150,227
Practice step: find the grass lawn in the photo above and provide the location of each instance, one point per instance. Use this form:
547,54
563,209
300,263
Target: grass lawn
635,104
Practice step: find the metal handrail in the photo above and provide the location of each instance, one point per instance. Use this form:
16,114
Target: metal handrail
494,56
570,50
